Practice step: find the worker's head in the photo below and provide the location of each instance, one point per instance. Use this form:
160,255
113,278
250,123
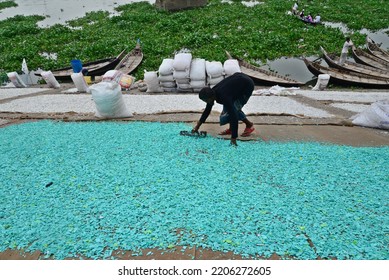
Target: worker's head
207,95
348,39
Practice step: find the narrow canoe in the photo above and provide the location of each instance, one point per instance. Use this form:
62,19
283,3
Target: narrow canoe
347,78
360,56
131,61
332,61
374,49
95,68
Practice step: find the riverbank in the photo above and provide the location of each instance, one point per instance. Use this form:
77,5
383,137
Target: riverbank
301,115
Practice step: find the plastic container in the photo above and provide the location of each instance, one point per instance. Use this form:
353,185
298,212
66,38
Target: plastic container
76,65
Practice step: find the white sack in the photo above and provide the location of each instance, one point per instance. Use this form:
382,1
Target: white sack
231,66
170,89
16,80
182,61
166,67
79,81
112,75
182,81
152,82
109,100
376,116
197,69
184,87
166,78
168,84
214,81
180,75
214,69
50,79
322,82
198,84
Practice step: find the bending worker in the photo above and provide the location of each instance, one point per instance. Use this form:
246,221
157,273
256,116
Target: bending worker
233,93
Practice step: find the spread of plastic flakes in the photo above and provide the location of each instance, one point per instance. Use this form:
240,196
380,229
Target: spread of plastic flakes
85,190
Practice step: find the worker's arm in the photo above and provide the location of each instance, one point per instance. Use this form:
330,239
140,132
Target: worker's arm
203,117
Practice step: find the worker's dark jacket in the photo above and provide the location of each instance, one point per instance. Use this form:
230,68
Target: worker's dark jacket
237,87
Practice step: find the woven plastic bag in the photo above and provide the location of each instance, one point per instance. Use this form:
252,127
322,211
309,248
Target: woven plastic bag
109,100
376,116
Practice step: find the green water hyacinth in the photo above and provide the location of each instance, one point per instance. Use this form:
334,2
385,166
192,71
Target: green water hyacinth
7,4
259,33
87,189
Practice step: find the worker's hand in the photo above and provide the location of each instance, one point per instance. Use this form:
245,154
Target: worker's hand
233,142
196,128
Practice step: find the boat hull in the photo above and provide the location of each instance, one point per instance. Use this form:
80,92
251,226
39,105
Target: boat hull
375,50
95,68
332,59
363,57
347,78
131,61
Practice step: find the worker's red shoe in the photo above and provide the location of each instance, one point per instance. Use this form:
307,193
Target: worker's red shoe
248,131
225,132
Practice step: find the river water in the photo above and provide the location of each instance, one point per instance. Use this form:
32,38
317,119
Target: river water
60,11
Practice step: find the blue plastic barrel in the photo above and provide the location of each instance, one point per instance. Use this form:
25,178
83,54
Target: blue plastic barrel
76,65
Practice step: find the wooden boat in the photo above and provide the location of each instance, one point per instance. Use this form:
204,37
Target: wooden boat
131,61
264,77
347,78
363,57
375,50
305,20
309,22
95,68
332,61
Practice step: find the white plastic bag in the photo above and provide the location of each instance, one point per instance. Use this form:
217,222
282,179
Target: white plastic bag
322,82
197,69
109,100
180,75
16,80
214,69
50,80
112,75
166,67
152,82
231,66
79,81
182,61
376,116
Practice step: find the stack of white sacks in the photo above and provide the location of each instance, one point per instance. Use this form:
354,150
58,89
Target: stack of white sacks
215,72
184,74
181,71
165,77
198,77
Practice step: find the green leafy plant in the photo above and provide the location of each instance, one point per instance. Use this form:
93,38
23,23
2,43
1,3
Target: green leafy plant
7,4
259,33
